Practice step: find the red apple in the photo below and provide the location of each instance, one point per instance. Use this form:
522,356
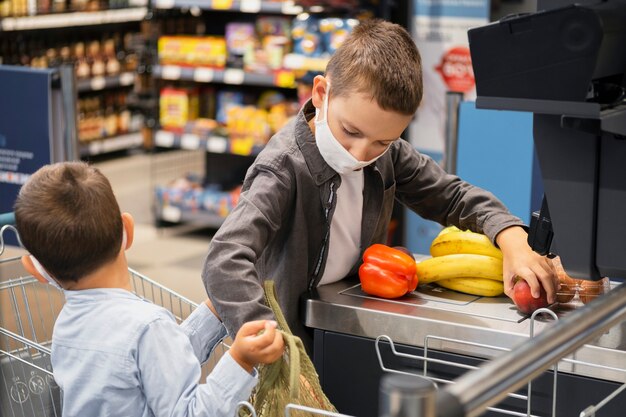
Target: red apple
524,300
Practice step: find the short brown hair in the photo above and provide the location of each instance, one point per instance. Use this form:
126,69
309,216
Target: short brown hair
380,59
68,218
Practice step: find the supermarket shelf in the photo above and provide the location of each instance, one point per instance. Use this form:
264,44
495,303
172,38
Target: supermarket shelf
188,141
282,79
243,6
117,143
173,214
305,63
101,83
62,20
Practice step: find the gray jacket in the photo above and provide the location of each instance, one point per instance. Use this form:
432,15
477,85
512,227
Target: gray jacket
280,228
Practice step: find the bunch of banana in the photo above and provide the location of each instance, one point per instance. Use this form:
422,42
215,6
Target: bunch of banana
463,261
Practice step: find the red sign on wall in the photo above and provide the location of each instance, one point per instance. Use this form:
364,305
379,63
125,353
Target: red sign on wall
456,70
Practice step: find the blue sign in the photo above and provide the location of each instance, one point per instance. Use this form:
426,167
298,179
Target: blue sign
25,128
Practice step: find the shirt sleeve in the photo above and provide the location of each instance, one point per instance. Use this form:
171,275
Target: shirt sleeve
424,187
229,273
204,331
169,373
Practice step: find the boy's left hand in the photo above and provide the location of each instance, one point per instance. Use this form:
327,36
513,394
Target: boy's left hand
522,262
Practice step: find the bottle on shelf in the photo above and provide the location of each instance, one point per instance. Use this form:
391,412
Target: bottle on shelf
58,6
83,69
110,117
98,67
124,114
112,64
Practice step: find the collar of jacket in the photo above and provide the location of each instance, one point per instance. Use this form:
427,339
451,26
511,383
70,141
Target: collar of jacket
305,139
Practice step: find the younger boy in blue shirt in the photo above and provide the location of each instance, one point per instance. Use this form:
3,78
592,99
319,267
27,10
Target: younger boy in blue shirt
114,354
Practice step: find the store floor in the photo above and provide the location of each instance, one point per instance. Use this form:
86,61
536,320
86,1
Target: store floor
170,256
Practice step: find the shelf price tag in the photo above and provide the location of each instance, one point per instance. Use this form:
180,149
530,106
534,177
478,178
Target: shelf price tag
294,61
222,4
190,141
98,83
250,6
285,79
164,139
288,7
95,148
171,214
170,72
203,75
127,78
217,144
234,76
165,4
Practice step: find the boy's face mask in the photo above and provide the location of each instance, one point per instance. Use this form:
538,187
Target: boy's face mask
45,273
52,281
335,155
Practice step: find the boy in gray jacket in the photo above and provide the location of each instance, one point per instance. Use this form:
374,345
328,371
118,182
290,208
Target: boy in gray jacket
323,189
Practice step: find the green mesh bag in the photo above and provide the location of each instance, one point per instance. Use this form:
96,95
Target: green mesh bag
291,379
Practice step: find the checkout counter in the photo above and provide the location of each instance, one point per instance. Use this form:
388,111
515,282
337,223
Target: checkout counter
457,330
567,65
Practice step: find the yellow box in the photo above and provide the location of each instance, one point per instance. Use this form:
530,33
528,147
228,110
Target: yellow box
177,107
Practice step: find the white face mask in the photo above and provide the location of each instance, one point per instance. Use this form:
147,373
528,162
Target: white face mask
335,155
42,271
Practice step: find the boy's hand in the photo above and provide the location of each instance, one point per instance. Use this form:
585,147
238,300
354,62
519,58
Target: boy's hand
251,346
521,261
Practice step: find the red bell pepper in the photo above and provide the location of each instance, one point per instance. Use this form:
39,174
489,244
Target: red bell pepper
387,272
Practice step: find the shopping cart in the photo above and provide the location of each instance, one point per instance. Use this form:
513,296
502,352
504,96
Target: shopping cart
510,406
28,310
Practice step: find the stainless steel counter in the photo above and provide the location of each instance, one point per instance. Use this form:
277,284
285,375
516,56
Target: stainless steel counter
433,311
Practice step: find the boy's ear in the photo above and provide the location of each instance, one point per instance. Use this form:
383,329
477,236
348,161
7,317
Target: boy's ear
129,227
320,87
27,263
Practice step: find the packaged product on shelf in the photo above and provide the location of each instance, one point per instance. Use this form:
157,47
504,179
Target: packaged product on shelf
269,42
225,100
307,39
275,47
334,31
240,40
273,26
248,128
219,202
202,127
209,51
188,194
184,193
270,98
177,107
207,101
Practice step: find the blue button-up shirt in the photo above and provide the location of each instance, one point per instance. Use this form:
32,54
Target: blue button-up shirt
114,354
